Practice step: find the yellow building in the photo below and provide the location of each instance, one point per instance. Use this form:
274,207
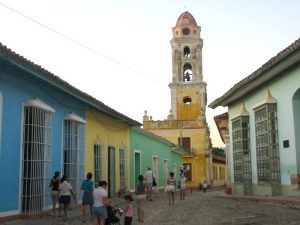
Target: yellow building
186,124
219,170
107,148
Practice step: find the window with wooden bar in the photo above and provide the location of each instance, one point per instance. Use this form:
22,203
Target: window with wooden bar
267,150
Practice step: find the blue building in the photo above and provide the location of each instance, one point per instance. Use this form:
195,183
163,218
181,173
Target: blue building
42,130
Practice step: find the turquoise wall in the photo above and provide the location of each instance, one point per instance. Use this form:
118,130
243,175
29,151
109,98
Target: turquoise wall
283,90
150,147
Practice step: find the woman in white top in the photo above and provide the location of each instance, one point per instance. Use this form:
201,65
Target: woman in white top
100,203
65,191
182,180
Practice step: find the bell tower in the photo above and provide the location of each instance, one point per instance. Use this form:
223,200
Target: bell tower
188,90
186,124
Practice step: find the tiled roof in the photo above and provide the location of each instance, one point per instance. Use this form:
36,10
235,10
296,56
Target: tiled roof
20,61
186,19
181,151
272,62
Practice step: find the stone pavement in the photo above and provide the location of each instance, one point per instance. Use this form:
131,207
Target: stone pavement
211,208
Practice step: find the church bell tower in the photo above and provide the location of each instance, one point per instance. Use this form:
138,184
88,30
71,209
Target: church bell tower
186,124
188,90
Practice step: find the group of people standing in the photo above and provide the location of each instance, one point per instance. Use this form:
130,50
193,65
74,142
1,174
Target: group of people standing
94,199
61,191
144,189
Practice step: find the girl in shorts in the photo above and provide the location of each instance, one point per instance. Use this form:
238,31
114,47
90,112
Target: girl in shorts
171,188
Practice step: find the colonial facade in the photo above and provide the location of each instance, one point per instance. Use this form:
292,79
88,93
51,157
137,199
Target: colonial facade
48,125
186,124
263,115
222,126
150,150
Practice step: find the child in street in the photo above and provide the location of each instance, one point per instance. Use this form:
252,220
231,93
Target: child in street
128,211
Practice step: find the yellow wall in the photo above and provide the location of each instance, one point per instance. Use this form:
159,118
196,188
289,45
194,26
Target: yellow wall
219,174
198,149
188,111
109,132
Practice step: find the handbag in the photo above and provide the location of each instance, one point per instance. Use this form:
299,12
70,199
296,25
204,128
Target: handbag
154,184
178,186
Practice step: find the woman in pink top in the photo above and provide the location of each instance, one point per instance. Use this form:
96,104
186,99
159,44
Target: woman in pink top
128,210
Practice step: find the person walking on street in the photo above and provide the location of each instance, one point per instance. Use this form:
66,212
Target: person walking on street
128,210
65,191
149,180
171,188
204,186
100,202
87,199
140,197
182,180
54,185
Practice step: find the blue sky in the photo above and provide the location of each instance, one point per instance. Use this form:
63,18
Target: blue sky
120,52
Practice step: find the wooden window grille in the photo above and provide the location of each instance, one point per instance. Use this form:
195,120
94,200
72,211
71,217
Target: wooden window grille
267,150
241,150
98,163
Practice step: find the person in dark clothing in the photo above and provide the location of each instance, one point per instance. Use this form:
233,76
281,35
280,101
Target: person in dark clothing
54,184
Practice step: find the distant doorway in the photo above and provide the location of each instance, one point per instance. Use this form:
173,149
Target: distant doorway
111,172
137,166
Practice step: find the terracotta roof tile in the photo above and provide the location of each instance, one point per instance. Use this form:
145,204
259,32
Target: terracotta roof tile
17,59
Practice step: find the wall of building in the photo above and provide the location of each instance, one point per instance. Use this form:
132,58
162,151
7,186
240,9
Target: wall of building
198,141
219,174
16,88
283,90
108,132
150,147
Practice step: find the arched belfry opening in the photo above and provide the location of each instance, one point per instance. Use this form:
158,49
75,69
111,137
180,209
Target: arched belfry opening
186,52
187,72
187,100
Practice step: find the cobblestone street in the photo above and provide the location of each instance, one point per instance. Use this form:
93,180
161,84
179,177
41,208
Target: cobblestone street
198,208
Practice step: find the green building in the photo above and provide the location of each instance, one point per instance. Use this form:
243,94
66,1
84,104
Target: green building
150,150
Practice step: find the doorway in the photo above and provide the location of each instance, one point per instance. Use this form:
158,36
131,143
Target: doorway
111,172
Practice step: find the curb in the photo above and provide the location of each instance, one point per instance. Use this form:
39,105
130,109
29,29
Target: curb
273,200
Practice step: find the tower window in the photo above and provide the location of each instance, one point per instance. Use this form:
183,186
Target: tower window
186,52
187,72
187,100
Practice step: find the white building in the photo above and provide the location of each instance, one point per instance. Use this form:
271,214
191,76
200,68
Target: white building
264,127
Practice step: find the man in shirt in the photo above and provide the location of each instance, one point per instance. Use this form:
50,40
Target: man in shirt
149,181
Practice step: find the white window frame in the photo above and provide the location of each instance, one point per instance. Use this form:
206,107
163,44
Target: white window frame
123,161
98,162
36,156
73,146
